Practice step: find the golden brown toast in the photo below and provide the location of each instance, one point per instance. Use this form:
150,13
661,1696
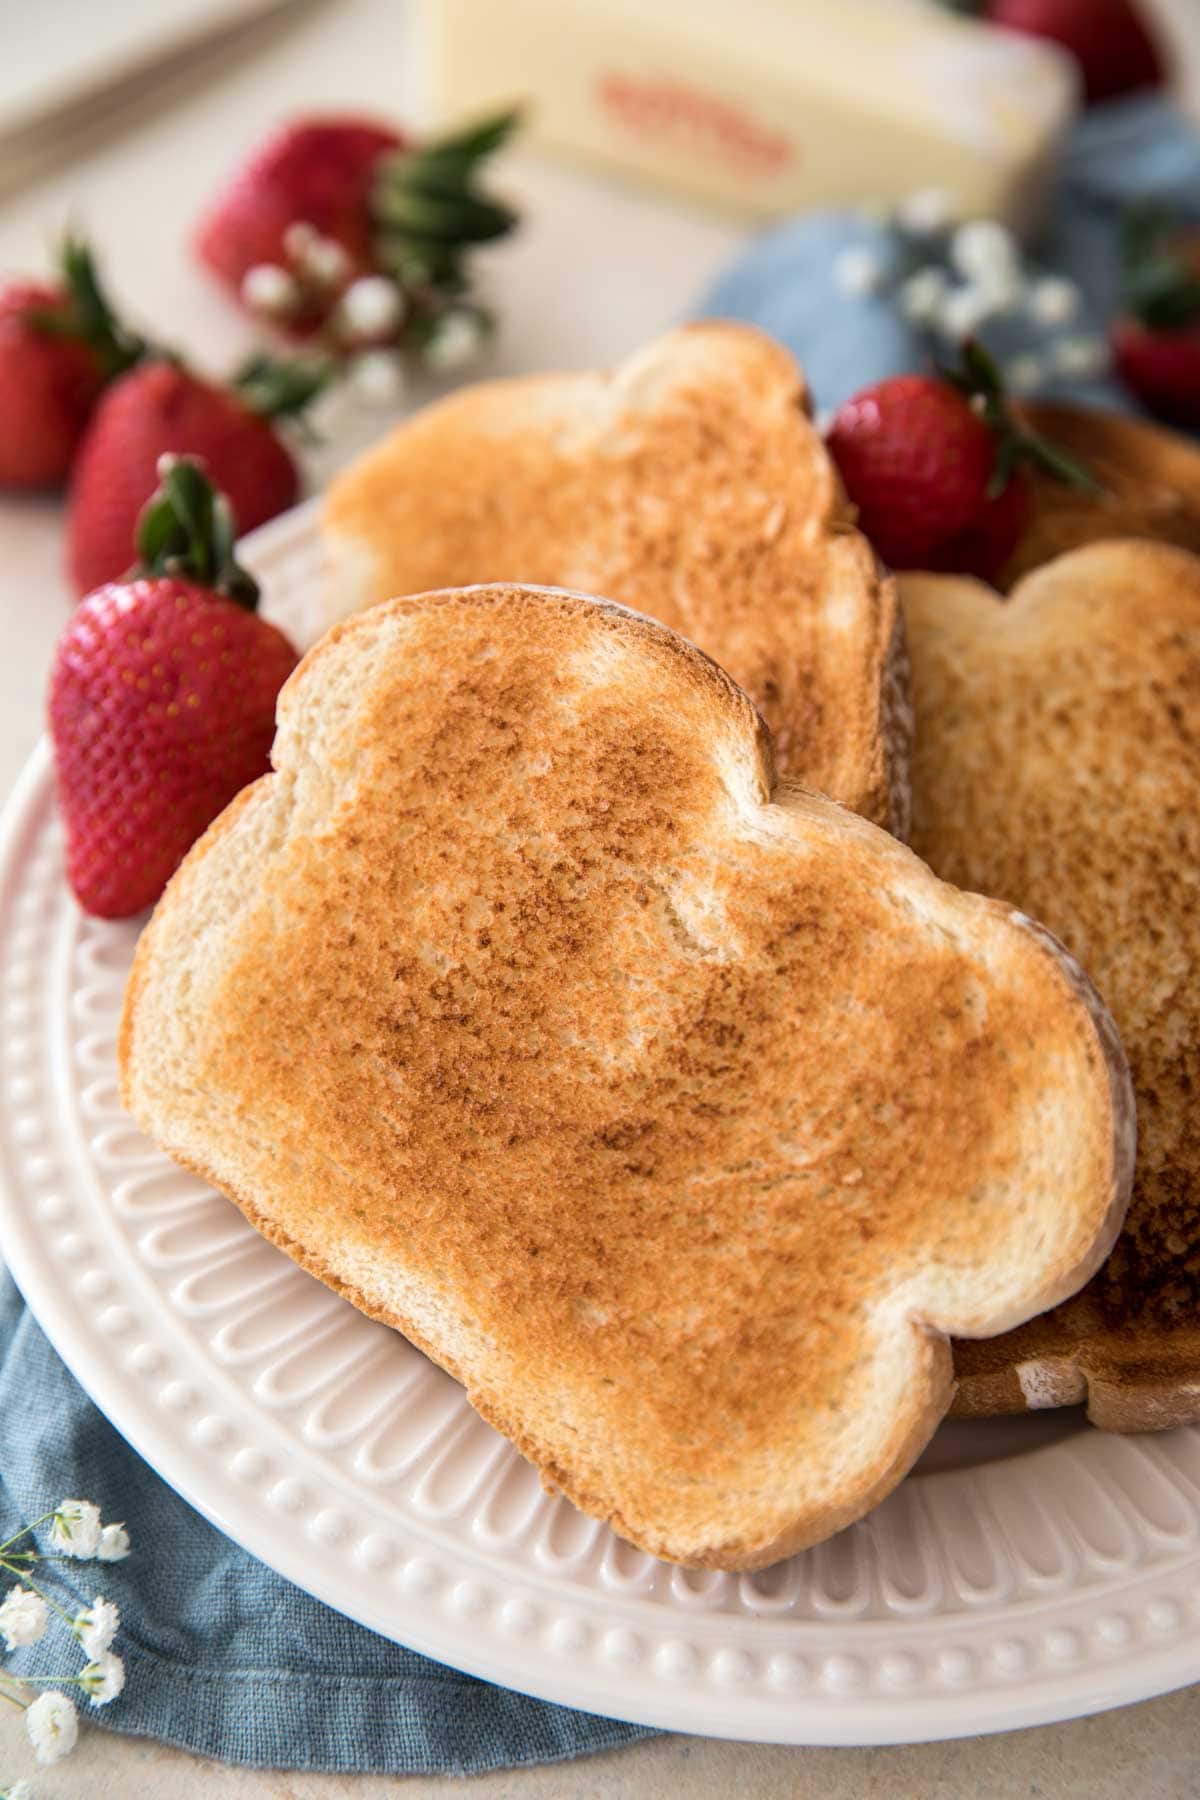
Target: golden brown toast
1058,766
680,1115
1149,480
690,484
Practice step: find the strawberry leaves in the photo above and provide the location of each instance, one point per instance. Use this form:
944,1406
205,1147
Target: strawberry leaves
187,529
979,378
281,387
429,211
1161,269
86,315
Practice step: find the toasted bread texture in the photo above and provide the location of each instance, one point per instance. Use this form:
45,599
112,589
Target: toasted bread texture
1148,477
677,1113
690,484
1058,766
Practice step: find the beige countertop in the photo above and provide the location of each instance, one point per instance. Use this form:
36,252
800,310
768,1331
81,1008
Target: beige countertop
1147,1752
137,183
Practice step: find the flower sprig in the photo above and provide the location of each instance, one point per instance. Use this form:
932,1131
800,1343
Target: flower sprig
76,1533
948,279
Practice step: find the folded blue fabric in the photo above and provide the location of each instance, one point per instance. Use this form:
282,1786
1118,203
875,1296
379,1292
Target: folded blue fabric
225,1657
785,281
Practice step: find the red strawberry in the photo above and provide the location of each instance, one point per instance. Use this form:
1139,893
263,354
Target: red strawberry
1156,339
916,461
316,172
932,464
58,346
327,200
49,383
984,547
162,700
1109,39
162,407
1161,367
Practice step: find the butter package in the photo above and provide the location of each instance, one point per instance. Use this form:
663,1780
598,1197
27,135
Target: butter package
766,106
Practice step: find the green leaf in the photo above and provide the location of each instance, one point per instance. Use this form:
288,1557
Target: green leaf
449,218
92,316
429,210
1040,451
282,387
473,143
979,377
1161,283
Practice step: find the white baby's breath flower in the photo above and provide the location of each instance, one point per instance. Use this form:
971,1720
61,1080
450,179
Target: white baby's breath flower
1053,300
323,261
857,270
96,1625
377,377
103,1678
924,212
985,253
270,290
963,310
1080,355
19,1790
371,308
922,294
457,340
113,1545
299,239
76,1528
1025,372
23,1617
52,1726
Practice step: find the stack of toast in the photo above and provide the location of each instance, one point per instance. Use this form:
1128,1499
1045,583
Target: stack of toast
569,999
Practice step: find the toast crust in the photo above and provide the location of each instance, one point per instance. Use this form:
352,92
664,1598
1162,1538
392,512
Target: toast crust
679,1113
689,484
1149,481
1058,765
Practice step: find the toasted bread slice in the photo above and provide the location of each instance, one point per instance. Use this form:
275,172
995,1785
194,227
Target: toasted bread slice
1149,486
1058,766
680,1122
689,483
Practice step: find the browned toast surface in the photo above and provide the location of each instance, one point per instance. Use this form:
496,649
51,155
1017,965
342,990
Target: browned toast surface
689,484
679,1114
1058,766
1149,480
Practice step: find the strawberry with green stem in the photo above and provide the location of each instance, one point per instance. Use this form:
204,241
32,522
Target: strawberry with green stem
936,466
162,407
1155,340
342,227
162,698
60,345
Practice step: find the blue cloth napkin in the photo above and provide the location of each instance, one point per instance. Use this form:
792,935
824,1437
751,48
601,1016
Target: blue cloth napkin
224,1657
786,281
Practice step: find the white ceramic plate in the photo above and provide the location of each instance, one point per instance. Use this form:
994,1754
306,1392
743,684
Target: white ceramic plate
1029,1571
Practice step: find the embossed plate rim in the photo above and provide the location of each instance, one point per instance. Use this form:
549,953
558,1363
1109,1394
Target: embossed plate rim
840,1680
